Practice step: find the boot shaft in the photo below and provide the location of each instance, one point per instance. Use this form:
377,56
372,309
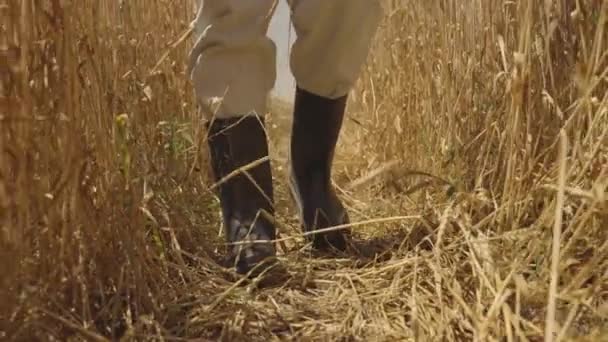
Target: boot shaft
316,127
239,159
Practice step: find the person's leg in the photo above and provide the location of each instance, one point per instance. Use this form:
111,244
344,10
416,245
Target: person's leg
333,39
233,70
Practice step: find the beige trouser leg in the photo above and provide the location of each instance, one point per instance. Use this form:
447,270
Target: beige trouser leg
233,61
232,64
333,40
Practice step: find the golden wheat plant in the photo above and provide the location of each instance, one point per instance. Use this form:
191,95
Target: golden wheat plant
474,162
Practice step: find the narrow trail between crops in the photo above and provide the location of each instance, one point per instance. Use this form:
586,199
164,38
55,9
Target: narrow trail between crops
362,293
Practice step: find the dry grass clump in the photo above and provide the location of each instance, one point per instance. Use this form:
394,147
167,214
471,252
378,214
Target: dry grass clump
476,152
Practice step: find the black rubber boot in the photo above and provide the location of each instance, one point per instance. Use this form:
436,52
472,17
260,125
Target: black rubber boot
316,126
247,207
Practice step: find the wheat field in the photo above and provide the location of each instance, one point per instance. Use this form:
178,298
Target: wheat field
473,161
